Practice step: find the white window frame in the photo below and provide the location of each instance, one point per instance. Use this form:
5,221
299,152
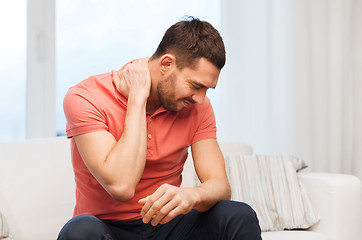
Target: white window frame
41,101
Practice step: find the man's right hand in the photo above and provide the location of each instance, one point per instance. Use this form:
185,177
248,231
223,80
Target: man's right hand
136,79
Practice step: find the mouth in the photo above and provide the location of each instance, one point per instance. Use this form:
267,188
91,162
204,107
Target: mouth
187,103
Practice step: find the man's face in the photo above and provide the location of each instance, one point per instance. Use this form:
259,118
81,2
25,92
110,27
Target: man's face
181,88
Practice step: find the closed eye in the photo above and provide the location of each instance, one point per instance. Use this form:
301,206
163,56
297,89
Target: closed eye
197,87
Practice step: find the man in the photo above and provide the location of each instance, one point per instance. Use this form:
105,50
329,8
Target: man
130,131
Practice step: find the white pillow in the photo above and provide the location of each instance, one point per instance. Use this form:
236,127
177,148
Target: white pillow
269,184
4,230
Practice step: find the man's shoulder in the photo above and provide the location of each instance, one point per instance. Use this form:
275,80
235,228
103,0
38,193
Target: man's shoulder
93,82
97,88
92,105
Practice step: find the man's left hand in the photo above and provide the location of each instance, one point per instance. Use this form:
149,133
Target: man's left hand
166,203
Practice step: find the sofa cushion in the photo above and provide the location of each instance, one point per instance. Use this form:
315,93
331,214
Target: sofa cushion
293,235
270,185
36,187
189,177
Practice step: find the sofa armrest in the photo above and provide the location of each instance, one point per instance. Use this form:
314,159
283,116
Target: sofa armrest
337,199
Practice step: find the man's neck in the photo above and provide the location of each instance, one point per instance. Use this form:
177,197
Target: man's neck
153,102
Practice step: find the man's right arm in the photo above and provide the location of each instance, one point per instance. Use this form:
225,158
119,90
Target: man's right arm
118,165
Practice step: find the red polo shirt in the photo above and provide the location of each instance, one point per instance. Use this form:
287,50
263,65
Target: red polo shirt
95,105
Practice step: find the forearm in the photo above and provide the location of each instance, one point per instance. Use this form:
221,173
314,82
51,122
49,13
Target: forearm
126,160
211,192
210,168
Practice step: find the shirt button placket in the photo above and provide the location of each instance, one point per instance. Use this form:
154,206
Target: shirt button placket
149,137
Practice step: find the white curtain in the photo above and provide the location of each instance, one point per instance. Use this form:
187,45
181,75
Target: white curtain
293,80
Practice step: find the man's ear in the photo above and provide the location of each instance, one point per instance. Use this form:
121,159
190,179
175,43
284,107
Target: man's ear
167,62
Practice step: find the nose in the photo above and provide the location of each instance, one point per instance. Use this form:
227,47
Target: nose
199,96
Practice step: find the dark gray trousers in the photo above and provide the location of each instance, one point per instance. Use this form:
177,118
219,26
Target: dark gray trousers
227,220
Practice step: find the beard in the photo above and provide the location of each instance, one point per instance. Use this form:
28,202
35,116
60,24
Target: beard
166,94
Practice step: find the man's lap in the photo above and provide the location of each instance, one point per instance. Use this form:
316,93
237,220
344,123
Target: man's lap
226,220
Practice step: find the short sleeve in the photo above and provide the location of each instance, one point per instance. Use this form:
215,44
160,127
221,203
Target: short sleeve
82,113
207,125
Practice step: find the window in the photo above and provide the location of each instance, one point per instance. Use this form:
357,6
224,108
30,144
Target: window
97,36
92,37
13,70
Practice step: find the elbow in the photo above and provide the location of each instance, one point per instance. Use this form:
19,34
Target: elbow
121,193
227,192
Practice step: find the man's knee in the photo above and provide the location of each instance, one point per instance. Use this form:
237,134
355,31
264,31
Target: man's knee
234,209
85,227
236,214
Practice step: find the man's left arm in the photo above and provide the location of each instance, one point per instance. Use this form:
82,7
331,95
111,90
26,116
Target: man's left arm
210,168
169,201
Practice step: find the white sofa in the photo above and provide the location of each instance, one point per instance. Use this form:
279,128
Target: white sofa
37,193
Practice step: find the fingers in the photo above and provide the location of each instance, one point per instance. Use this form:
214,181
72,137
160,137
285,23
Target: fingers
143,200
154,203
127,73
165,204
119,83
142,62
166,213
158,210
116,78
137,77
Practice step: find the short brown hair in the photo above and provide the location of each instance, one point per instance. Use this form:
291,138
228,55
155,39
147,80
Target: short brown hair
190,40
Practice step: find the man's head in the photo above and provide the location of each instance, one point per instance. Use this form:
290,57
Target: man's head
186,64
179,89
192,39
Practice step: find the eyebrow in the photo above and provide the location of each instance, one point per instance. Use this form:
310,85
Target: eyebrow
202,85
